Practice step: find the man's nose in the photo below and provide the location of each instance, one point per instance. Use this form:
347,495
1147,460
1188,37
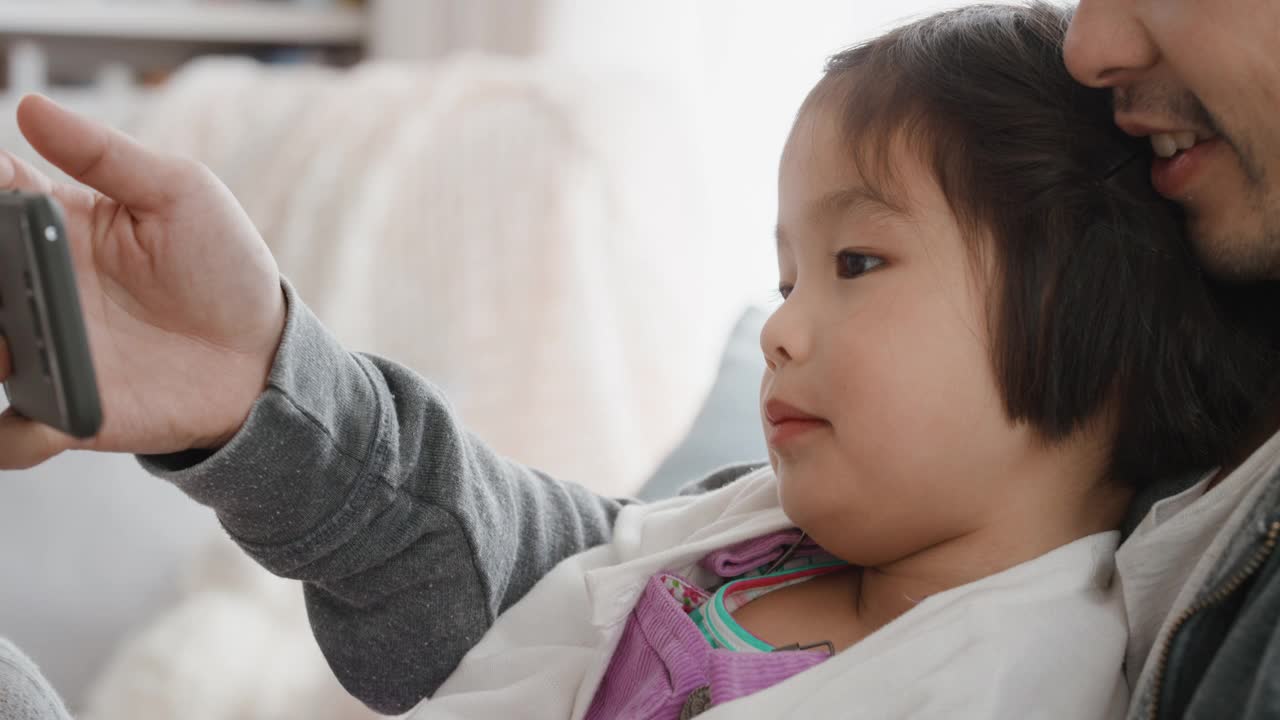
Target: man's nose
1107,45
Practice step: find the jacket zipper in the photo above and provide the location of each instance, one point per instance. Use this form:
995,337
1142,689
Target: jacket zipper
1222,593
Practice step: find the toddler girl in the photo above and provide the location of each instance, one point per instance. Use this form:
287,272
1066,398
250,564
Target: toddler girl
991,332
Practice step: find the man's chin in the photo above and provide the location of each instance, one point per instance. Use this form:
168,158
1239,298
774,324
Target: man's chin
1236,252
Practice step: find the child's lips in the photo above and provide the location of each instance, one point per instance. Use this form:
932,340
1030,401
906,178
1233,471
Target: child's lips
787,422
786,431
778,411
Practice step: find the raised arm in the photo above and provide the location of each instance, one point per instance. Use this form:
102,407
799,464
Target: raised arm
353,475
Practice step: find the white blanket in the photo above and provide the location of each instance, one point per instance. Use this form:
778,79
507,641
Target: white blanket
1044,639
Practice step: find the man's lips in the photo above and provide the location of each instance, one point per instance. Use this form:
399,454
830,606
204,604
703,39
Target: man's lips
1139,128
1173,177
1180,153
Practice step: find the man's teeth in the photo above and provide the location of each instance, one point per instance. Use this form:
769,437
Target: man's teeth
1166,145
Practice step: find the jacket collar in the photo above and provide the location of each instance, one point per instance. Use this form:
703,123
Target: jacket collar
675,534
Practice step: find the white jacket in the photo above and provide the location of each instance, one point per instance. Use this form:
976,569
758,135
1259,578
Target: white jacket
1044,639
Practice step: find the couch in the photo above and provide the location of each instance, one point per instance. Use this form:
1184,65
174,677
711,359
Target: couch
525,234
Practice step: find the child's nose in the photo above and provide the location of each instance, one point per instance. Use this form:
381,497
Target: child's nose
783,338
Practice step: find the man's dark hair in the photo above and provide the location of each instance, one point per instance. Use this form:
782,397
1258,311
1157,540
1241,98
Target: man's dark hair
1099,308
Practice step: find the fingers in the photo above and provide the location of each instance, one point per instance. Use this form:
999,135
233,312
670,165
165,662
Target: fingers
106,160
25,443
15,174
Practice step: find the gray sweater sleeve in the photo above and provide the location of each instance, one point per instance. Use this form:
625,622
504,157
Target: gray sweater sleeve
410,536
24,693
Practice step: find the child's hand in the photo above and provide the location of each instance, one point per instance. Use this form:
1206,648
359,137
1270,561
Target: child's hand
181,297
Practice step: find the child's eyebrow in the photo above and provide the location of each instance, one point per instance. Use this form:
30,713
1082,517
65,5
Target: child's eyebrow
855,198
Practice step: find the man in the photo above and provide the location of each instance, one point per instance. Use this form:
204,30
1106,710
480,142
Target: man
1199,572
186,311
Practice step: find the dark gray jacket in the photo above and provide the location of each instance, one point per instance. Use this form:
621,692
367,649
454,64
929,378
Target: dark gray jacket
1222,659
411,536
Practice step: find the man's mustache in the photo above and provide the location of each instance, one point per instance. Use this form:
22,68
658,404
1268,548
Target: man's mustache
1183,110
1167,102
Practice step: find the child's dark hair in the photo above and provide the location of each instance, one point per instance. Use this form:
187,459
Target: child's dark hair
1099,308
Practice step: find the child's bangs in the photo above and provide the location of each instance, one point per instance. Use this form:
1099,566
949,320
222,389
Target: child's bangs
887,113
876,122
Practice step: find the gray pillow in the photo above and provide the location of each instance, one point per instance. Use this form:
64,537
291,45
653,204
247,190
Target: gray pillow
727,429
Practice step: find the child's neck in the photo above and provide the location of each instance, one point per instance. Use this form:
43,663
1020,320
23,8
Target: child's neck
844,607
1029,529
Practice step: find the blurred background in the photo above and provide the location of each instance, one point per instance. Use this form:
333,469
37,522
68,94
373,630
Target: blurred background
561,211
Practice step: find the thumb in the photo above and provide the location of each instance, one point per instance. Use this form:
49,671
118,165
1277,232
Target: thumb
25,443
106,160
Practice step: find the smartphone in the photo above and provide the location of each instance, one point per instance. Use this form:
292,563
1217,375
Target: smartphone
52,379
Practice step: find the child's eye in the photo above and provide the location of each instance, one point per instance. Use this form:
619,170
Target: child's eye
784,290
850,264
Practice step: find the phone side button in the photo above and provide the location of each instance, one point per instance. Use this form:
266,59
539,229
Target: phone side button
35,317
